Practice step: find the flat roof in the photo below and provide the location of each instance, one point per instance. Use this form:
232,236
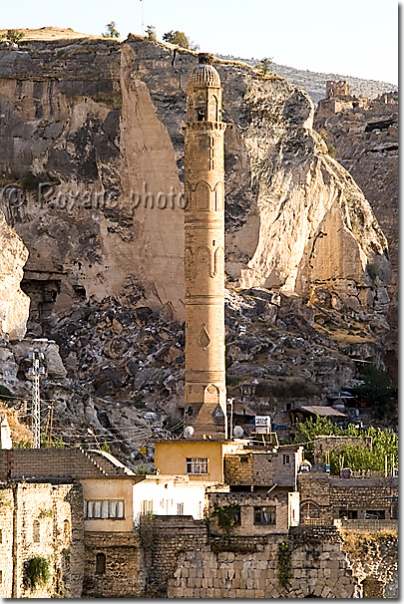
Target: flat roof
322,411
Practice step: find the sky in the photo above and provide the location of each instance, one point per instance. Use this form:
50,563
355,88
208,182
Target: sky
357,38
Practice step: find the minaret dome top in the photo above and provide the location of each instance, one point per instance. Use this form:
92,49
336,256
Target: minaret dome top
204,74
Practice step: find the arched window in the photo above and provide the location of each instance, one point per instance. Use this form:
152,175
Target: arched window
36,531
100,563
66,530
309,510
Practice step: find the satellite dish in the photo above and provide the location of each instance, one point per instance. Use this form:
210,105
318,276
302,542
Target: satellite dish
189,431
238,431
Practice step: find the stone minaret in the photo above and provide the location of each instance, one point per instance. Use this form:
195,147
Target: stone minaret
205,377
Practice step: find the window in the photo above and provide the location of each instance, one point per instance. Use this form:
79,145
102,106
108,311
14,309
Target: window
197,465
286,459
375,515
100,563
66,530
105,509
36,531
350,514
1,577
180,509
265,515
146,507
1,535
309,510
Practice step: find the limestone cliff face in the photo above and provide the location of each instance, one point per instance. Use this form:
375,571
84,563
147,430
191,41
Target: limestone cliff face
14,304
104,124
364,134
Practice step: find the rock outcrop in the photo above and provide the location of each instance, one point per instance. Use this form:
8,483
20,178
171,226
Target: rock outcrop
103,122
14,304
363,135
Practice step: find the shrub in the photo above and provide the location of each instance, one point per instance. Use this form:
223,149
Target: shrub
151,33
264,65
228,516
37,572
111,32
15,35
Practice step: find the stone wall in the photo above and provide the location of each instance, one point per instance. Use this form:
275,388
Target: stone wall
262,469
123,576
247,503
42,520
251,569
332,494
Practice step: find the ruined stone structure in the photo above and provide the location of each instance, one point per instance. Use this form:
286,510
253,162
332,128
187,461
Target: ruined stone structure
340,88
45,520
325,498
205,372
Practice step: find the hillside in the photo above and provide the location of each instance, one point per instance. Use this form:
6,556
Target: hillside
314,83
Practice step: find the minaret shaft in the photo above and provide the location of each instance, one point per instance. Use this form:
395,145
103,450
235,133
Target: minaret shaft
205,375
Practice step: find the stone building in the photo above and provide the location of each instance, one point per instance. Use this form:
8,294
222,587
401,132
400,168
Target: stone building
324,498
75,510
41,520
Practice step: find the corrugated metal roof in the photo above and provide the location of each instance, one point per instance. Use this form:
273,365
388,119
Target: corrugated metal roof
322,411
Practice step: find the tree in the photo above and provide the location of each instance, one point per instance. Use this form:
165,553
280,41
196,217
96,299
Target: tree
377,389
111,32
180,39
354,456
264,65
15,35
151,33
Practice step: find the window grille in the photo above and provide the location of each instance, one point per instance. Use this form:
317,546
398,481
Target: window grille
265,515
105,509
197,465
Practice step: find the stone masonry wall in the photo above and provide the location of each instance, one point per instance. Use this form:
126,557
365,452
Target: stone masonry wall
332,493
124,568
319,568
42,520
6,541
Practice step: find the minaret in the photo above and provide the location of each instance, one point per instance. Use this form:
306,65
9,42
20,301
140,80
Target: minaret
205,372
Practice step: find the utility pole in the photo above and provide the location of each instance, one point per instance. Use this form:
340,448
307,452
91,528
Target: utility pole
36,371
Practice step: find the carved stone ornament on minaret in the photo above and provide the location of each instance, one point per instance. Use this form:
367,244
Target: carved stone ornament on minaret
205,371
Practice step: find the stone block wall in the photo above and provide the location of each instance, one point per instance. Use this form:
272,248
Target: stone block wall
165,539
42,520
123,576
249,568
332,494
6,541
247,503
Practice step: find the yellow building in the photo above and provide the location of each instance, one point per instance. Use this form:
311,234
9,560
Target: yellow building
200,460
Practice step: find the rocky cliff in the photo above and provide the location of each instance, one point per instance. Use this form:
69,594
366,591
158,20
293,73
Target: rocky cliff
14,304
92,167
363,134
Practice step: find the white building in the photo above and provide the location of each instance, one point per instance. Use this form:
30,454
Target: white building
165,495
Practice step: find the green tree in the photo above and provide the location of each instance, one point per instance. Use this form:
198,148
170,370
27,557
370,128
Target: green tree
356,457
264,65
377,389
15,35
151,33
180,39
111,32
